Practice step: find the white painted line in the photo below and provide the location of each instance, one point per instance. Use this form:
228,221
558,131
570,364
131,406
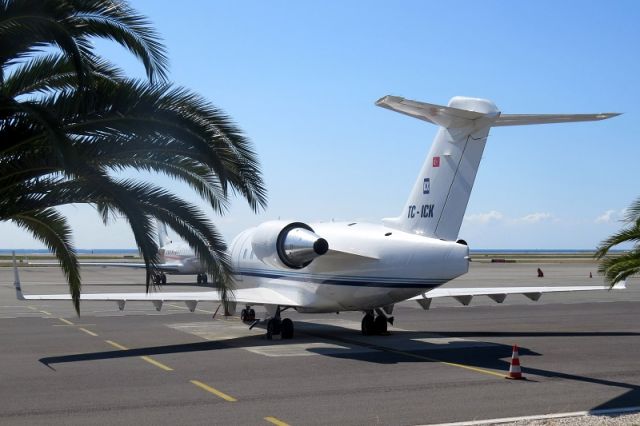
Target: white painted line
609,411
304,349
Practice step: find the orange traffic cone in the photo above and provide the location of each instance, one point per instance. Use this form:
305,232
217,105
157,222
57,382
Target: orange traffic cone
514,369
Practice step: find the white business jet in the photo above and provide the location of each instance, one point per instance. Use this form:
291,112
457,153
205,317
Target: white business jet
353,266
173,258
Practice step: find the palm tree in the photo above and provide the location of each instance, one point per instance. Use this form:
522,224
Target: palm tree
619,267
70,121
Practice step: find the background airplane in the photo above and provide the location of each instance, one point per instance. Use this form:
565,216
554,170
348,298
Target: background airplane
353,266
174,259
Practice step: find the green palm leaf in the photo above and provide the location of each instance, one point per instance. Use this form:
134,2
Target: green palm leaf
51,228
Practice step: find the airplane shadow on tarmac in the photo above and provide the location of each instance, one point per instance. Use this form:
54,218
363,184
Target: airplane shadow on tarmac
397,347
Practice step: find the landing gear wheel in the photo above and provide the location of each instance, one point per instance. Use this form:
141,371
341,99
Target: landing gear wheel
368,325
204,278
244,316
380,324
270,329
199,279
287,329
252,315
163,279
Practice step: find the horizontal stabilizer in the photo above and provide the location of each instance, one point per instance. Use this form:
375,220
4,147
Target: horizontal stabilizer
521,119
450,117
437,114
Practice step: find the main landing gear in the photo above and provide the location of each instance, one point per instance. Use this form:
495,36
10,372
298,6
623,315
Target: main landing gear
160,278
275,326
375,324
202,278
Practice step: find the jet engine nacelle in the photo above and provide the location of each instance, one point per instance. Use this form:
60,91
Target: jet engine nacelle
287,244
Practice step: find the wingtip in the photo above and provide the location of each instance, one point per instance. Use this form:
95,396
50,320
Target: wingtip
384,101
606,115
620,285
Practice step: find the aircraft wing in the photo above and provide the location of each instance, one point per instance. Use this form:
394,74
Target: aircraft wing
164,267
250,296
499,294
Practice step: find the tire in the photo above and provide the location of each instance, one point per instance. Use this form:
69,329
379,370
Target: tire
199,279
368,325
380,324
287,329
204,278
163,279
252,315
243,315
270,329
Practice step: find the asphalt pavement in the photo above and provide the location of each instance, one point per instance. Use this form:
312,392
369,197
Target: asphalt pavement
447,364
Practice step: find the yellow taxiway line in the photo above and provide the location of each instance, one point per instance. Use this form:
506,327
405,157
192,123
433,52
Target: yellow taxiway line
117,345
156,363
214,391
275,421
144,357
89,332
412,355
451,364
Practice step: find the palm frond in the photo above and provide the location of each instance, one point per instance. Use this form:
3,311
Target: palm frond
618,268
119,22
632,214
626,235
54,72
51,228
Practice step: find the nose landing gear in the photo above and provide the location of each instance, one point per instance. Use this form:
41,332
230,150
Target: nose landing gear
202,278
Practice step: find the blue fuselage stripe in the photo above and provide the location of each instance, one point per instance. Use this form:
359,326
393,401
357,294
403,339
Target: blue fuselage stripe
360,282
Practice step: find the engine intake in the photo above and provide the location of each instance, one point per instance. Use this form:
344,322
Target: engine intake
293,245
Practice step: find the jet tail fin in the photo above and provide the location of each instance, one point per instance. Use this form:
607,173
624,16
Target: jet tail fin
439,197
163,235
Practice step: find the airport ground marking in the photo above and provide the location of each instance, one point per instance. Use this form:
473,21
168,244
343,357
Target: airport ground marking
144,357
33,308
116,345
66,321
603,412
156,363
451,364
89,332
214,391
186,309
276,421
45,312
411,355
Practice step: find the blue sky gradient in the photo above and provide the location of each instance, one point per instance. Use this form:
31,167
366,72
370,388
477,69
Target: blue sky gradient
301,79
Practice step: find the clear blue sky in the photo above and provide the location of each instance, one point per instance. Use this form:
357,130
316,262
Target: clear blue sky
301,79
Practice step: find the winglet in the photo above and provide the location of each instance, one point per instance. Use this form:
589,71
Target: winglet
16,278
620,285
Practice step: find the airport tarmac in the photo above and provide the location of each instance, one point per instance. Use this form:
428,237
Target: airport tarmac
578,352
